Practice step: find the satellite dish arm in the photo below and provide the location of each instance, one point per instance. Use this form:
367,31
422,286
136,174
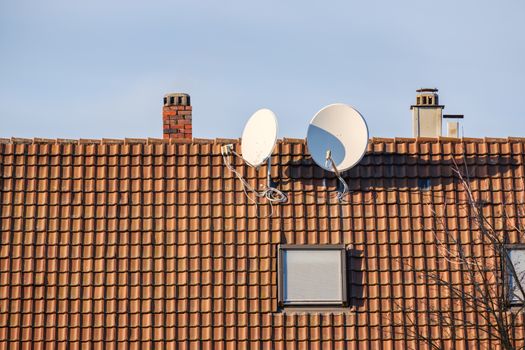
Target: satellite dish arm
269,173
346,189
329,159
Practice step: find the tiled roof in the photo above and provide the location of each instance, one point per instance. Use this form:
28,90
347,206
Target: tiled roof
152,243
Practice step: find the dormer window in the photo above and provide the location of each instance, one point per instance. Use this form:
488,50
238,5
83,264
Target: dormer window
312,275
515,275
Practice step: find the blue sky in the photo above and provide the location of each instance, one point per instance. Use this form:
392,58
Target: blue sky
93,69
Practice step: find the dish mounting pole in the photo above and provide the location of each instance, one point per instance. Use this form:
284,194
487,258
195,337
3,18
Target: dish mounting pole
269,173
346,189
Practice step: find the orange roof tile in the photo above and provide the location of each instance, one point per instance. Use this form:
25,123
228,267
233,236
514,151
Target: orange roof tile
145,243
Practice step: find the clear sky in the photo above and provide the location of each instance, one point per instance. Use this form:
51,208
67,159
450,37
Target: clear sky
93,69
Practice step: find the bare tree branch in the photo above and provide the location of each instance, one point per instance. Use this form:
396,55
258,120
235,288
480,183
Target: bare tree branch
478,304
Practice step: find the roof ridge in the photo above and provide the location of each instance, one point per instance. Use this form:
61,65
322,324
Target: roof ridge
293,140
496,139
404,139
426,139
382,139
226,140
68,141
152,140
202,141
472,139
449,139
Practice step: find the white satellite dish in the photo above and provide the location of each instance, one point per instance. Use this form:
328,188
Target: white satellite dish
257,144
339,132
259,137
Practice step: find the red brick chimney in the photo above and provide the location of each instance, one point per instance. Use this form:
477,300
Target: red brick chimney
176,116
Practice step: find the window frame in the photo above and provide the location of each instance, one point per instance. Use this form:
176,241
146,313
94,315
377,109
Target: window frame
508,277
306,247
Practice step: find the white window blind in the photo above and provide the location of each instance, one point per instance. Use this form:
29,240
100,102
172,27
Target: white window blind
517,259
312,275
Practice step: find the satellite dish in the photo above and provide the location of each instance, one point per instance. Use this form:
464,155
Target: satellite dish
340,132
257,144
259,137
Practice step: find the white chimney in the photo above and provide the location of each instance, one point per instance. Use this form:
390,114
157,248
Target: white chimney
453,126
452,129
427,114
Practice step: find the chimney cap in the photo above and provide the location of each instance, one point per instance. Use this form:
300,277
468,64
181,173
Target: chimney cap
176,94
177,99
427,90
